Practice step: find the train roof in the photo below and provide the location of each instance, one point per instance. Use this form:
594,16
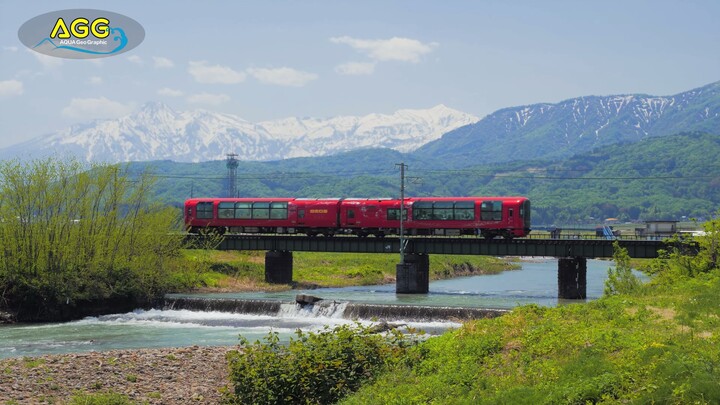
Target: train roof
257,199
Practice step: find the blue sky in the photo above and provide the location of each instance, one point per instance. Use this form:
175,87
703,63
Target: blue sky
264,60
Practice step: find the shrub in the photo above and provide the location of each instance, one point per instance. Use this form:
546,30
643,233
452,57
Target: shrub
316,368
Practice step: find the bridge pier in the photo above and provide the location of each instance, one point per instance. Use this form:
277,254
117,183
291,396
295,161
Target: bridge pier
278,267
572,278
413,276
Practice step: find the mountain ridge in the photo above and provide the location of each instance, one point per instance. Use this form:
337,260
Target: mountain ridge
547,130
157,132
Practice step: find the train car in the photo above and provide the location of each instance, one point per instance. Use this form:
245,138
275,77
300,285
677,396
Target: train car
370,216
262,215
489,217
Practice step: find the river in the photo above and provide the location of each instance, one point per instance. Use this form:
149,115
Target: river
535,283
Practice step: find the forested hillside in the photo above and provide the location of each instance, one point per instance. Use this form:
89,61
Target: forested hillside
664,177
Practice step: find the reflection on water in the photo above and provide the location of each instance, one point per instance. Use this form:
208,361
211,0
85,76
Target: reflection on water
535,283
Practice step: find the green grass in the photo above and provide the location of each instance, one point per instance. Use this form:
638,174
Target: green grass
659,346
246,269
100,399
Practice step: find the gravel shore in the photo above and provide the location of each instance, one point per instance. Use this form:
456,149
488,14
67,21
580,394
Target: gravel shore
190,375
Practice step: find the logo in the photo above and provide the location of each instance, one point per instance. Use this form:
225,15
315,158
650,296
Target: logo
81,34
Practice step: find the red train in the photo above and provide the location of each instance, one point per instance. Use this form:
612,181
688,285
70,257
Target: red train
486,216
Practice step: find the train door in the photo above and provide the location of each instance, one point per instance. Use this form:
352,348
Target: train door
350,216
525,214
301,216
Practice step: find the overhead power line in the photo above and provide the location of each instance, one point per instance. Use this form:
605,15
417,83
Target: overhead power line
317,175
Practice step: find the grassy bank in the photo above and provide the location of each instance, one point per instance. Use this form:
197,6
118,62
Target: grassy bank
237,271
653,343
640,343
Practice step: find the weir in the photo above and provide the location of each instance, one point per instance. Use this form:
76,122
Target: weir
258,307
333,309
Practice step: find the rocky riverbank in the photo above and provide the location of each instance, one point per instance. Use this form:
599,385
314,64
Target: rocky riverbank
155,376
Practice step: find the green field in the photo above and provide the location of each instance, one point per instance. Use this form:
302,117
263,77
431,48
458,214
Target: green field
246,270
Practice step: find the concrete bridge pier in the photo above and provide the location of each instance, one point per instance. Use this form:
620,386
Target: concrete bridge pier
278,267
413,276
572,278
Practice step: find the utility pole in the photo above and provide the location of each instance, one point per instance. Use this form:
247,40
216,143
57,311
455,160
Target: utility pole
403,242
413,272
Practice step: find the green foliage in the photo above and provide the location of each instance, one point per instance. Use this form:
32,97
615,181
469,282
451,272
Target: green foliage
620,279
316,368
656,345
708,257
100,399
71,233
674,264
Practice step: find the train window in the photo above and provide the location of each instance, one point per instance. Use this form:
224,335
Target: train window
491,211
510,213
301,213
422,210
226,210
261,210
278,210
443,211
243,210
465,210
393,214
351,214
205,210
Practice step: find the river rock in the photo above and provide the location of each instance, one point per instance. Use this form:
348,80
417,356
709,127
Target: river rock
305,299
6,318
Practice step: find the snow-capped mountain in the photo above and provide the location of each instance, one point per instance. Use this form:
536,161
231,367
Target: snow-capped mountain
156,132
578,125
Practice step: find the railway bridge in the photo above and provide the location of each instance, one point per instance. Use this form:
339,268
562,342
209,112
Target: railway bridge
413,271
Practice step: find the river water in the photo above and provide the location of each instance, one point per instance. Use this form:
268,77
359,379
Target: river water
535,283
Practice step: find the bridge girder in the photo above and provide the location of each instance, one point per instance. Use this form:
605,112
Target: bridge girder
587,248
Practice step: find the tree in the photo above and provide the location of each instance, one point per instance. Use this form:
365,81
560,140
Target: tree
620,279
709,244
73,234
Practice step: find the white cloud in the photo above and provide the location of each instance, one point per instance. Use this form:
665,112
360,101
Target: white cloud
161,62
166,91
49,62
204,73
10,48
208,98
399,49
94,108
356,68
95,80
9,88
135,59
282,76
